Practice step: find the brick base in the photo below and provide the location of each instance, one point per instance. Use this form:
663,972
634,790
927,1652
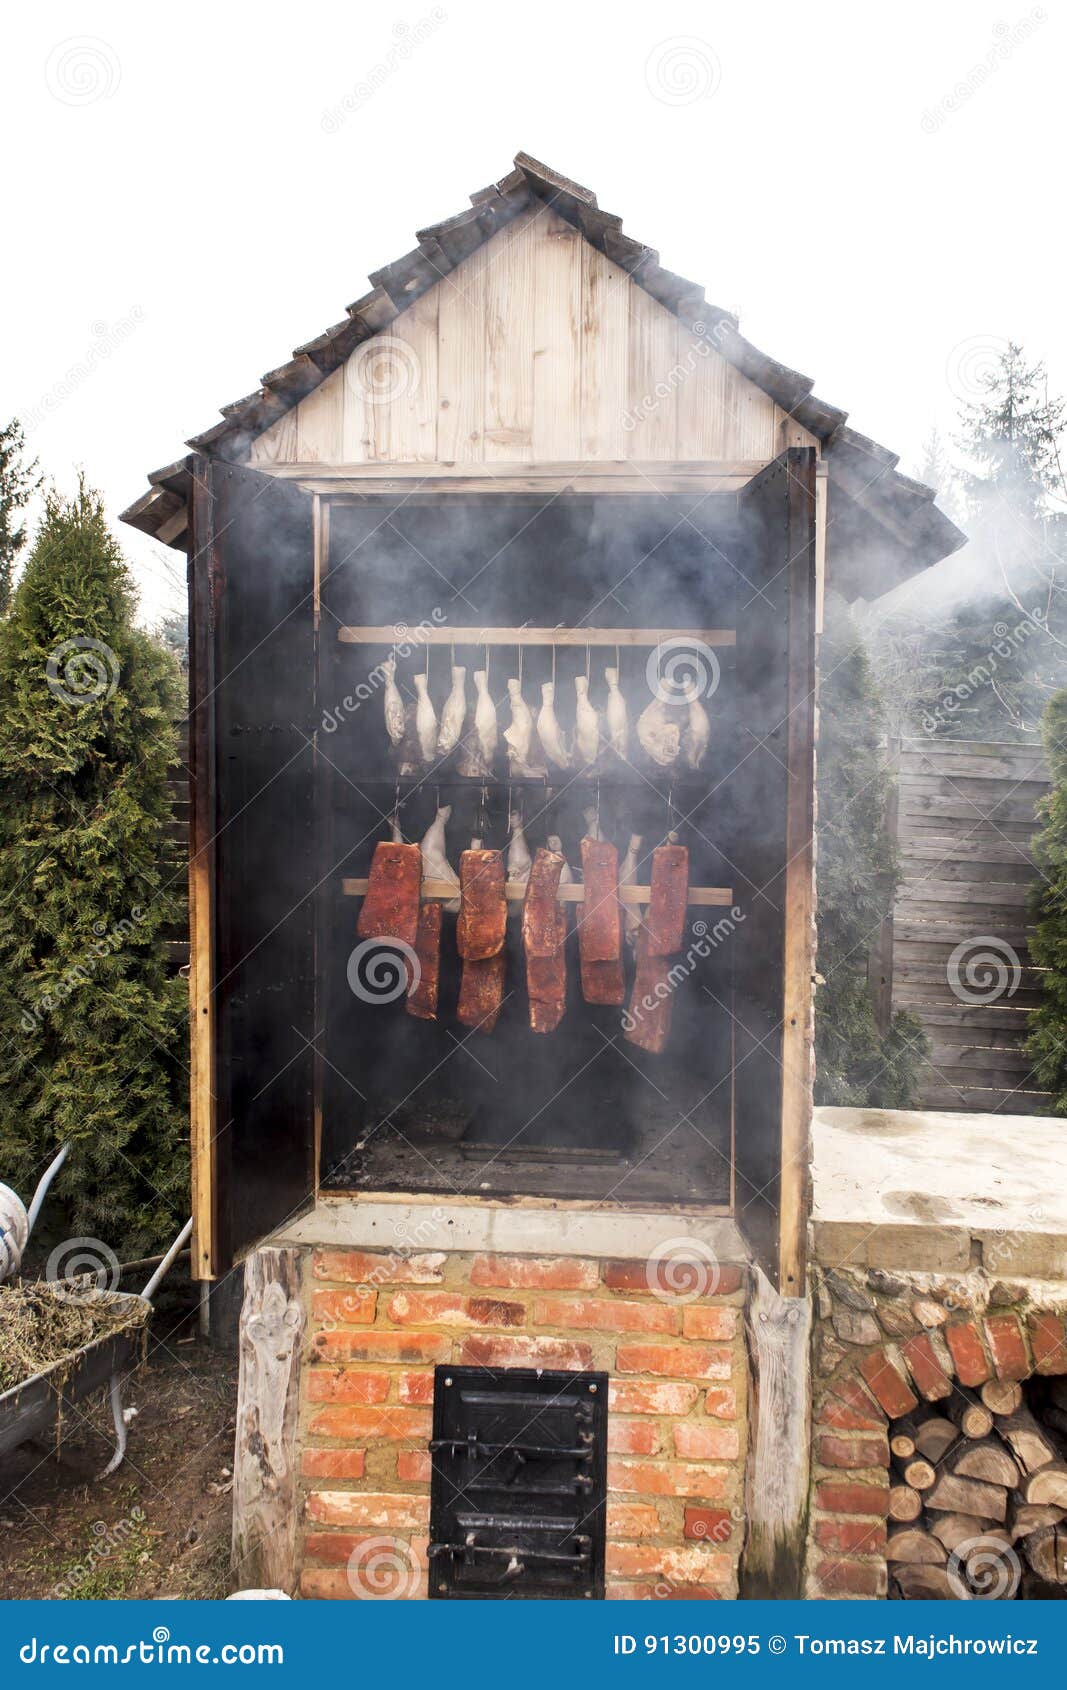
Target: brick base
677,1430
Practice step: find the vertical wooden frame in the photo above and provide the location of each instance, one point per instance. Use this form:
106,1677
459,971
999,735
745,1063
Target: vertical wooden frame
799,939
204,590
772,795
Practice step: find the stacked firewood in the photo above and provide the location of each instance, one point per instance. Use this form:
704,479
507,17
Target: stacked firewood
978,1496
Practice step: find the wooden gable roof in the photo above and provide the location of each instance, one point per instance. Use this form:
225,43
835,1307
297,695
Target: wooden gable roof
531,329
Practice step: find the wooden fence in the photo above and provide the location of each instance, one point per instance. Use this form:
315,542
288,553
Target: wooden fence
956,949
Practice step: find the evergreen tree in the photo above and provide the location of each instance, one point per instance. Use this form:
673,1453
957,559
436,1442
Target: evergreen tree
91,1022
858,875
18,483
1048,942
1011,437
936,471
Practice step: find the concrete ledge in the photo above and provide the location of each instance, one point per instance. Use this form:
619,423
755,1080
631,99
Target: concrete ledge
381,1224
940,1192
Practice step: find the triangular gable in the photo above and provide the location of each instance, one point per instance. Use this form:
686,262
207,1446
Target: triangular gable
548,396
536,349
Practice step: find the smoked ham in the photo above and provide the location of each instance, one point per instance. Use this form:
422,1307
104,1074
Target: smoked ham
391,905
647,1022
544,934
481,993
422,992
600,925
483,909
668,899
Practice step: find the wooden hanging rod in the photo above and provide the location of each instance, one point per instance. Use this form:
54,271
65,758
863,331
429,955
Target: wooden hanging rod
423,635
515,891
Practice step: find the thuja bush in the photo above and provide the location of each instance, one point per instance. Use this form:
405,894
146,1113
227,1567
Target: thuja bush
858,874
91,1016
1048,942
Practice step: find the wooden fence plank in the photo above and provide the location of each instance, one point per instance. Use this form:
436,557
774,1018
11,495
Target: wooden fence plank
967,813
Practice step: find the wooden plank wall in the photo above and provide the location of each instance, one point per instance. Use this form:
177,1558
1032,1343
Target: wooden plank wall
537,349
965,823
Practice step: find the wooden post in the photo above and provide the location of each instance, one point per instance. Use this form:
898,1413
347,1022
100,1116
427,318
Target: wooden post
779,1335
265,1499
203,1107
798,1029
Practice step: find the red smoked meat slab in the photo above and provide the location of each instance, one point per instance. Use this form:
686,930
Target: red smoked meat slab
603,982
391,907
481,992
599,916
540,909
483,909
665,923
544,933
422,997
649,1015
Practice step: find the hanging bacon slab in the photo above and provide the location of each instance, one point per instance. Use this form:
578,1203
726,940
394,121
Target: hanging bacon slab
600,917
483,909
603,982
600,925
481,992
422,993
391,907
544,934
665,922
540,909
648,1020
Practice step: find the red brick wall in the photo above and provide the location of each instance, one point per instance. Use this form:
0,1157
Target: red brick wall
677,1429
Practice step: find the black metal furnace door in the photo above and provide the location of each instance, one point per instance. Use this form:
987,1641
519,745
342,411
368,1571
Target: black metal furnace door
518,1484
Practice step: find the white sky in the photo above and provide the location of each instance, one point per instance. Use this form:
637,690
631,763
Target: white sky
180,216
